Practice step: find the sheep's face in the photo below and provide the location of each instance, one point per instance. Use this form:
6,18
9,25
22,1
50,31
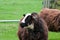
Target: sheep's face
26,20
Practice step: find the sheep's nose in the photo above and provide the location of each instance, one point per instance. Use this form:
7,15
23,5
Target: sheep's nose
23,25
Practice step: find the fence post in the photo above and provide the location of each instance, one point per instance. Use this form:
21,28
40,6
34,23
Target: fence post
46,3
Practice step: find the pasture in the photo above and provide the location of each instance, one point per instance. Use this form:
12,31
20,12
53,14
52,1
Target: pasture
14,9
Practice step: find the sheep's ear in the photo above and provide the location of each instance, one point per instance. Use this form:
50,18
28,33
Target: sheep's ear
34,15
23,14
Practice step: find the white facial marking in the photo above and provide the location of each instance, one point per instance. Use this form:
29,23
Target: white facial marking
23,21
30,26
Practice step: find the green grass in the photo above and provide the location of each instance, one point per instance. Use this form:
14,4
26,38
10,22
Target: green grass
54,36
8,31
14,9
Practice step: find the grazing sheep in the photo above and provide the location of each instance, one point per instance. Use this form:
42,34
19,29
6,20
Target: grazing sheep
52,18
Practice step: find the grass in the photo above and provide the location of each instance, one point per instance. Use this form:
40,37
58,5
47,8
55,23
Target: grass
14,9
54,36
8,31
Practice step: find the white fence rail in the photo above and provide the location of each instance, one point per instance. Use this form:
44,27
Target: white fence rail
9,20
